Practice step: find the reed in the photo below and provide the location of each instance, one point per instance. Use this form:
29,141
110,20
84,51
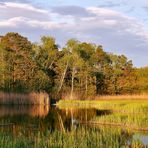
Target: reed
24,99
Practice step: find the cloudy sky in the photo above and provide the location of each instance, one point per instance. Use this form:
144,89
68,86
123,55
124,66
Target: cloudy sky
121,26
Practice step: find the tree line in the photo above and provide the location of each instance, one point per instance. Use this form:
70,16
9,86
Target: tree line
78,68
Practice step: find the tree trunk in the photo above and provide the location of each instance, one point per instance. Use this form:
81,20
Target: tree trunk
86,85
51,63
63,77
72,83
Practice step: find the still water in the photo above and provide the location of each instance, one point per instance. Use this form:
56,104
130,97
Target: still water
32,119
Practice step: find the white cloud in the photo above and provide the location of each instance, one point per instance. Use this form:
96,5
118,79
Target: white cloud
9,5
10,10
21,22
102,11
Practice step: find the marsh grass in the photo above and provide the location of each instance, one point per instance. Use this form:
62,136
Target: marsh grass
125,120
24,99
122,97
124,106
82,138
126,113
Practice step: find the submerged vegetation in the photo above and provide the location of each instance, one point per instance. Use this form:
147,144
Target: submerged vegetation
79,68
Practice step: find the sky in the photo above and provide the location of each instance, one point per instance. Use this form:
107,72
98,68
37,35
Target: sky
120,26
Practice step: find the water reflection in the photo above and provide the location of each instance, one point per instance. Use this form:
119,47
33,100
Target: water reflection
33,111
29,120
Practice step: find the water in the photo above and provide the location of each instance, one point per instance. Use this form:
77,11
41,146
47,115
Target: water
29,120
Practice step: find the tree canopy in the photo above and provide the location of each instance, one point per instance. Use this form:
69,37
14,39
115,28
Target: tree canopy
78,68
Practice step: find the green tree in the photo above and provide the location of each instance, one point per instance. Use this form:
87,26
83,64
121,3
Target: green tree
46,55
17,56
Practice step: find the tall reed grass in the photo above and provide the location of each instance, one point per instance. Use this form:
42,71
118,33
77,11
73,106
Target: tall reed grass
24,99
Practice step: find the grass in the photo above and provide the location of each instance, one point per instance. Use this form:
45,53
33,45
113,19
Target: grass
24,99
126,120
123,97
82,138
124,106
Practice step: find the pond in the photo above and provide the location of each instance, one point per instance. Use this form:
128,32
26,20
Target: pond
44,126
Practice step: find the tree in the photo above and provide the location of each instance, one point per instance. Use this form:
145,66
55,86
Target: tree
18,59
46,56
79,68
123,79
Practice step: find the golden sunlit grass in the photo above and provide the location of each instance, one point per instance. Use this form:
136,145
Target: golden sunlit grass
123,97
119,105
28,99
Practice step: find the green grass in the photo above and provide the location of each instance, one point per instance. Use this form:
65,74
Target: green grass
128,120
82,138
130,106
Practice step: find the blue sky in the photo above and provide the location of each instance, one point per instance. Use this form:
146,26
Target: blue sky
121,26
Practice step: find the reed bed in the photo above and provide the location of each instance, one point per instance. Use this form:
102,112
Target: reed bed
24,99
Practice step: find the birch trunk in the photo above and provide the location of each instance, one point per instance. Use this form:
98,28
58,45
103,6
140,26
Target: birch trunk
72,82
86,85
63,77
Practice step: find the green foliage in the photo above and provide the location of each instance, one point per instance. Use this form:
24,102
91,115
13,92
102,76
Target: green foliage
142,78
19,66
